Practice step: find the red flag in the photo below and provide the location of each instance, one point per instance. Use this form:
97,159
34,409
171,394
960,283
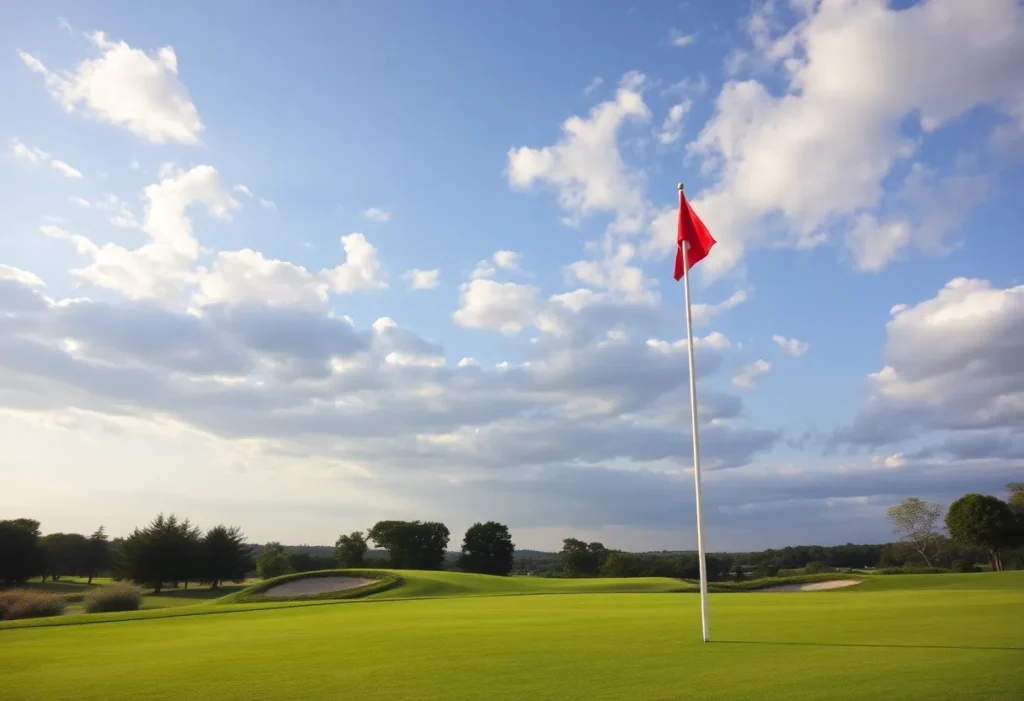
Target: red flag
693,231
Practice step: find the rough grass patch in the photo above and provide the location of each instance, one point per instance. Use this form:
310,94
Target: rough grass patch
26,603
113,597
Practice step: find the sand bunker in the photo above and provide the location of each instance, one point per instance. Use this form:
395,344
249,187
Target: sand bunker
813,586
315,585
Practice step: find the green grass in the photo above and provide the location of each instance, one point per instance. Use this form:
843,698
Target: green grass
914,637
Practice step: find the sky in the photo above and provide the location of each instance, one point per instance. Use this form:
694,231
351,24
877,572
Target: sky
302,267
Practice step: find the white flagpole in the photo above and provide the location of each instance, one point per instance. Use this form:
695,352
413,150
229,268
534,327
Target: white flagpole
696,442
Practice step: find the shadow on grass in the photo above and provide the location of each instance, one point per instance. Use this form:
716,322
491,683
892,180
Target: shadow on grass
199,593
874,645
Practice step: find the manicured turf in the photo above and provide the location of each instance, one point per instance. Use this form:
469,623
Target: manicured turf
898,637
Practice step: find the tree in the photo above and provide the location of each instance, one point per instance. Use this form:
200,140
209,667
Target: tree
487,548
737,572
66,553
914,521
225,556
581,559
272,562
1016,500
97,554
983,521
411,544
21,555
350,550
167,550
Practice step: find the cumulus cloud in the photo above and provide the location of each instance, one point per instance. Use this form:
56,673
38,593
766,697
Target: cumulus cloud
793,346
376,214
585,165
856,69
952,362
507,260
127,87
161,268
268,204
498,306
680,39
422,279
747,376
703,313
672,128
242,190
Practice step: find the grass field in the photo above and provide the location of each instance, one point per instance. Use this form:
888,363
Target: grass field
901,637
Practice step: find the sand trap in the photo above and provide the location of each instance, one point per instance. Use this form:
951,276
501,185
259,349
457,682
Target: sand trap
813,586
315,585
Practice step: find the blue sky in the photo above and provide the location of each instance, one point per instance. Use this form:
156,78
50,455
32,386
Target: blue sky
303,268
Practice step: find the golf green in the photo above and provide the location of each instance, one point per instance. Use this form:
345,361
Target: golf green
899,637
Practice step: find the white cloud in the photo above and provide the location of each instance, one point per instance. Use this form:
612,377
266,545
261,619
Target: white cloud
26,154
360,271
267,204
81,202
507,260
614,272
66,170
376,214
127,87
242,190
672,128
702,313
593,85
20,276
896,460
585,166
875,244
483,269
951,362
245,276
160,269
422,279
793,346
748,375
35,156
857,69
505,307
678,38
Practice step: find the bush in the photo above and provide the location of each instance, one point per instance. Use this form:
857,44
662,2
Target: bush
26,603
113,597
962,566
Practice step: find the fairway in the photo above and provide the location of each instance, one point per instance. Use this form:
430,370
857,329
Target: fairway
900,637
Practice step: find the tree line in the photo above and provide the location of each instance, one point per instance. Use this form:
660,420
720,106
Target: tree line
978,521
169,550
173,551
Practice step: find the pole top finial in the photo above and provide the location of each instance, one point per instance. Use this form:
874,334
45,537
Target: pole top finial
680,187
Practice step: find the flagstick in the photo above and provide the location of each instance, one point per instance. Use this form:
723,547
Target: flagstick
696,442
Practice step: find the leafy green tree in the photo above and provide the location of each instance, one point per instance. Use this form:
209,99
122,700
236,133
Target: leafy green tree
272,562
225,556
914,521
350,550
487,548
737,572
983,521
581,559
412,544
1016,500
66,554
167,550
21,555
98,554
